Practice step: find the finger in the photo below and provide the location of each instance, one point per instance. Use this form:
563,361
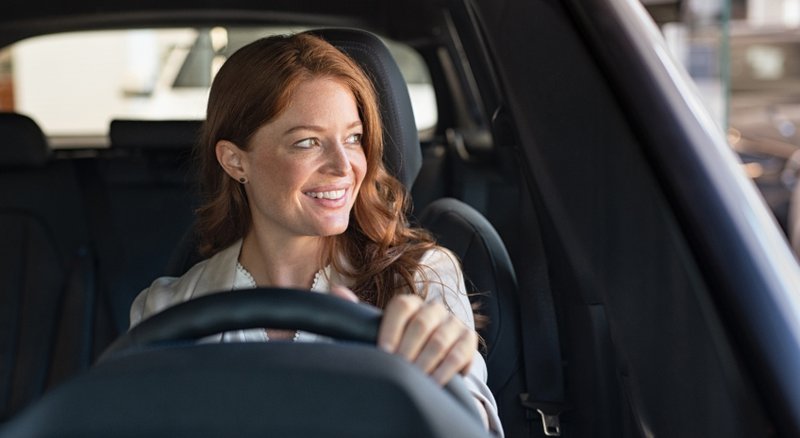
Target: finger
420,328
395,318
439,344
458,359
344,293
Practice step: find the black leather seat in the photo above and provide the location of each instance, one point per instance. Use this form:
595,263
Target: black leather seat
492,283
46,267
144,178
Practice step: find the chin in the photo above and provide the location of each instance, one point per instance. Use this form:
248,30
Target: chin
333,229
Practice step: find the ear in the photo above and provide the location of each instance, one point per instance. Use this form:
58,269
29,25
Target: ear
232,159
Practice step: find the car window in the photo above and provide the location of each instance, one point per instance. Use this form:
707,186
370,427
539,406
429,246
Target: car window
142,74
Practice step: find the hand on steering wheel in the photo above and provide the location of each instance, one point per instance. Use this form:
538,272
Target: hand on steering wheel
425,334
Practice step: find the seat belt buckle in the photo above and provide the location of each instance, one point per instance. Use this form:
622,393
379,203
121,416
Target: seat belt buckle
549,412
551,424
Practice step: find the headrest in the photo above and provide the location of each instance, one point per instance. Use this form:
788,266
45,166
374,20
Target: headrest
23,142
402,153
154,133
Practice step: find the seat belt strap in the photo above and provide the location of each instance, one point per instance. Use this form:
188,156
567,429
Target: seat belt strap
544,374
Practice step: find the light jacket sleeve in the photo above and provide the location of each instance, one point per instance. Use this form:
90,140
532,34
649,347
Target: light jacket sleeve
215,274
161,294
445,282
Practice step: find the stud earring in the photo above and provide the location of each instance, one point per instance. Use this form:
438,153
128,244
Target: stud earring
242,180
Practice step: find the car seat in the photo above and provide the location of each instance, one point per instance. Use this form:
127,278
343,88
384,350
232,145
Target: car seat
143,178
492,283
46,267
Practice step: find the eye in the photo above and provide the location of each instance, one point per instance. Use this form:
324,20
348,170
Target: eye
307,143
353,139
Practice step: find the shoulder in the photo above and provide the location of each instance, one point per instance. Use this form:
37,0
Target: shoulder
441,278
165,292
439,264
211,275
440,258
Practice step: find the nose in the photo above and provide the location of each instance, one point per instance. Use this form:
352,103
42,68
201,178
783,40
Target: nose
338,160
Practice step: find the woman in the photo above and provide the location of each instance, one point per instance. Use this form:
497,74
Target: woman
297,196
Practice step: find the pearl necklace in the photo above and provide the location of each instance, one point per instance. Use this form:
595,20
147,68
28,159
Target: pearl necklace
252,283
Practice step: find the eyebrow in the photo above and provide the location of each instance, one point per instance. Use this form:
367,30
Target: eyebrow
316,128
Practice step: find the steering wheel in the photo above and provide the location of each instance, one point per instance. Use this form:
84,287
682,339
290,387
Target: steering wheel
265,307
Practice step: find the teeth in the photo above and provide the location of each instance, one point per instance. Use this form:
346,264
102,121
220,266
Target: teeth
335,194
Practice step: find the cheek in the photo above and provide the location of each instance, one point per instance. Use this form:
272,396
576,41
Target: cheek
277,170
358,161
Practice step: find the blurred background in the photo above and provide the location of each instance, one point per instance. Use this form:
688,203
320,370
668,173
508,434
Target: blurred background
744,58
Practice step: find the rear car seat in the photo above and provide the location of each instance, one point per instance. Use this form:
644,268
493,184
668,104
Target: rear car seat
46,267
149,202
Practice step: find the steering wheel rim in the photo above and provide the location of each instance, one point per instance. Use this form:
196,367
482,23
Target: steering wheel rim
249,308
265,307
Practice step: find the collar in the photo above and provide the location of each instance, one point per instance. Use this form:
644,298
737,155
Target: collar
219,273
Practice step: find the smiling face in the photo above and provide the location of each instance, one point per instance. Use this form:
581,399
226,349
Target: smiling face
304,168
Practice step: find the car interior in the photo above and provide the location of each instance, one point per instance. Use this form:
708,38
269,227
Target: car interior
627,279
162,150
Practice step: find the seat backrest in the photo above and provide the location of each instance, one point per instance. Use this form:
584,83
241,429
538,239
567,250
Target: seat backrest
145,203
492,285
154,134
46,268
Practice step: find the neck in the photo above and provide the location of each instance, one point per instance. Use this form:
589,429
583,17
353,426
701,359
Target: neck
291,263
